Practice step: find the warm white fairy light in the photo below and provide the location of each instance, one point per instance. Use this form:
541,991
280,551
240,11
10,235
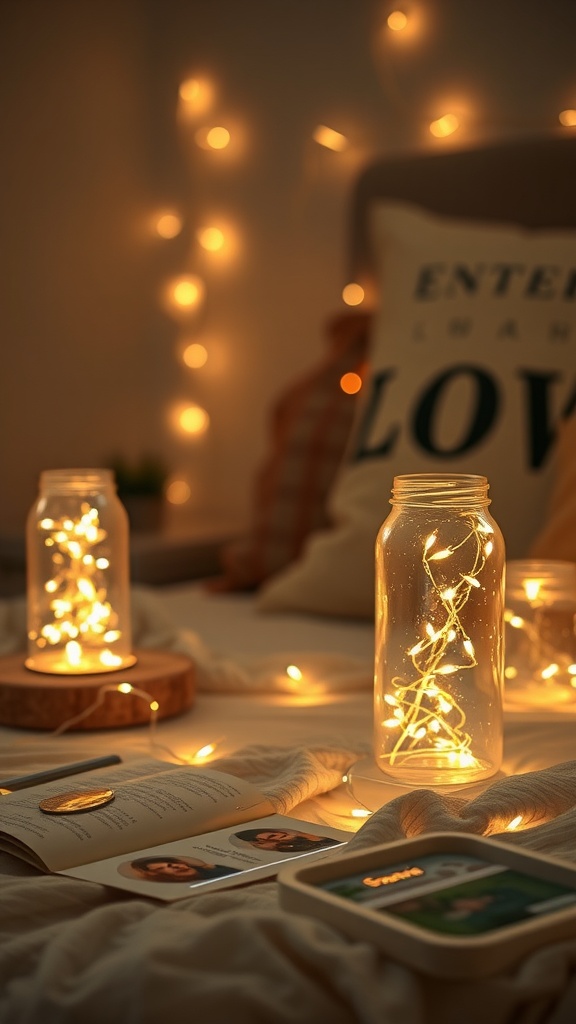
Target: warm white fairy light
513,825
185,292
195,355
81,634
206,751
429,721
536,655
168,225
329,138
397,21
444,126
193,420
215,138
353,294
351,383
293,672
211,238
178,492
124,689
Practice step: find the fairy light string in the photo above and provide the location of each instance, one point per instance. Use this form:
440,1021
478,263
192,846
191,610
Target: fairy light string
429,719
83,628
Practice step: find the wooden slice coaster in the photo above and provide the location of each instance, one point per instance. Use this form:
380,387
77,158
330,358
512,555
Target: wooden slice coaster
33,700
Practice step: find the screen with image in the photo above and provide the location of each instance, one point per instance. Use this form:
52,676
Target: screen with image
453,893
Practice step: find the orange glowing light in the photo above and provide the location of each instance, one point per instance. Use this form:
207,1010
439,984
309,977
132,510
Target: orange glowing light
178,492
513,825
397,21
351,383
206,750
213,138
196,94
329,138
353,294
194,420
211,238
195,355
294,673
186,292
567,118
445,125
168,225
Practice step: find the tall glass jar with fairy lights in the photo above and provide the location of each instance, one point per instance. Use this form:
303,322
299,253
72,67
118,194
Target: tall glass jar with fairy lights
78,589
439,659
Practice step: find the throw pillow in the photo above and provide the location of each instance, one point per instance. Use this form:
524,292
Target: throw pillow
557,537
472,370
311,422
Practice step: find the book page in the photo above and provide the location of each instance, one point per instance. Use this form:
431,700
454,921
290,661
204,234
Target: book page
153,802
219,859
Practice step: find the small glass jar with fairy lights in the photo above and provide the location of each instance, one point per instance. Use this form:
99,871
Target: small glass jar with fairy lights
439,657
78,589
540,619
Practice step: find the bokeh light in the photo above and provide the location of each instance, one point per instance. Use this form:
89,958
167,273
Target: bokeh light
445,125
351,383
329,138
178,492
195,355
193,419
211,238
217,137
168,225
353,294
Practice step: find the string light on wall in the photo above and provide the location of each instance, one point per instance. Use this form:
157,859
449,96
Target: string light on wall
351,383
567,118
196,96
445,125
212,239
403,24
219,239
397,21
217,137
178,492
330,139
353,294
168,224
192,419
195,355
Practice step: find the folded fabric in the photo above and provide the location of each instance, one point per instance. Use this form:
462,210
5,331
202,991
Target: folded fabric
94,955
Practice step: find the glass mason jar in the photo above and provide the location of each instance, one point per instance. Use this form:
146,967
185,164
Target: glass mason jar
78,587
540,633
439,659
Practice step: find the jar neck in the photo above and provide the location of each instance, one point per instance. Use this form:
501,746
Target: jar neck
444,490
76,481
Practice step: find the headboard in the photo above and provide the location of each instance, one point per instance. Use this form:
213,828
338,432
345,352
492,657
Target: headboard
531,182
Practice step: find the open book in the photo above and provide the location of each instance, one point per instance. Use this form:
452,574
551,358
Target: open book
166,831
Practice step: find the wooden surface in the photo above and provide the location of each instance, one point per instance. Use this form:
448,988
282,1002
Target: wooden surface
32,700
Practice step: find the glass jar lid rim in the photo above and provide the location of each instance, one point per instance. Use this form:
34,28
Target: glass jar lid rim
76,478
440,489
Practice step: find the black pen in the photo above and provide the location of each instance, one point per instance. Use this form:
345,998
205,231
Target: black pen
52,774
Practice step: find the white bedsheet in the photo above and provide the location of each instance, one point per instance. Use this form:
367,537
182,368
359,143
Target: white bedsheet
71,951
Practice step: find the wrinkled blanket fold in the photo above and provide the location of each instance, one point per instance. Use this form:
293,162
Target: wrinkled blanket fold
72,951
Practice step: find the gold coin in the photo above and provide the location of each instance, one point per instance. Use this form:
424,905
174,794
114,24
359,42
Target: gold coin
76,801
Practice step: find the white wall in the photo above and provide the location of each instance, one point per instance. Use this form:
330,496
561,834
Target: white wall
92,147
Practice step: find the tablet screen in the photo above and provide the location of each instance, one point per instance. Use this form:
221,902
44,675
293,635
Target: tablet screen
454,893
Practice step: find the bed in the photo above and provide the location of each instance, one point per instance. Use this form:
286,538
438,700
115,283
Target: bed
73,950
